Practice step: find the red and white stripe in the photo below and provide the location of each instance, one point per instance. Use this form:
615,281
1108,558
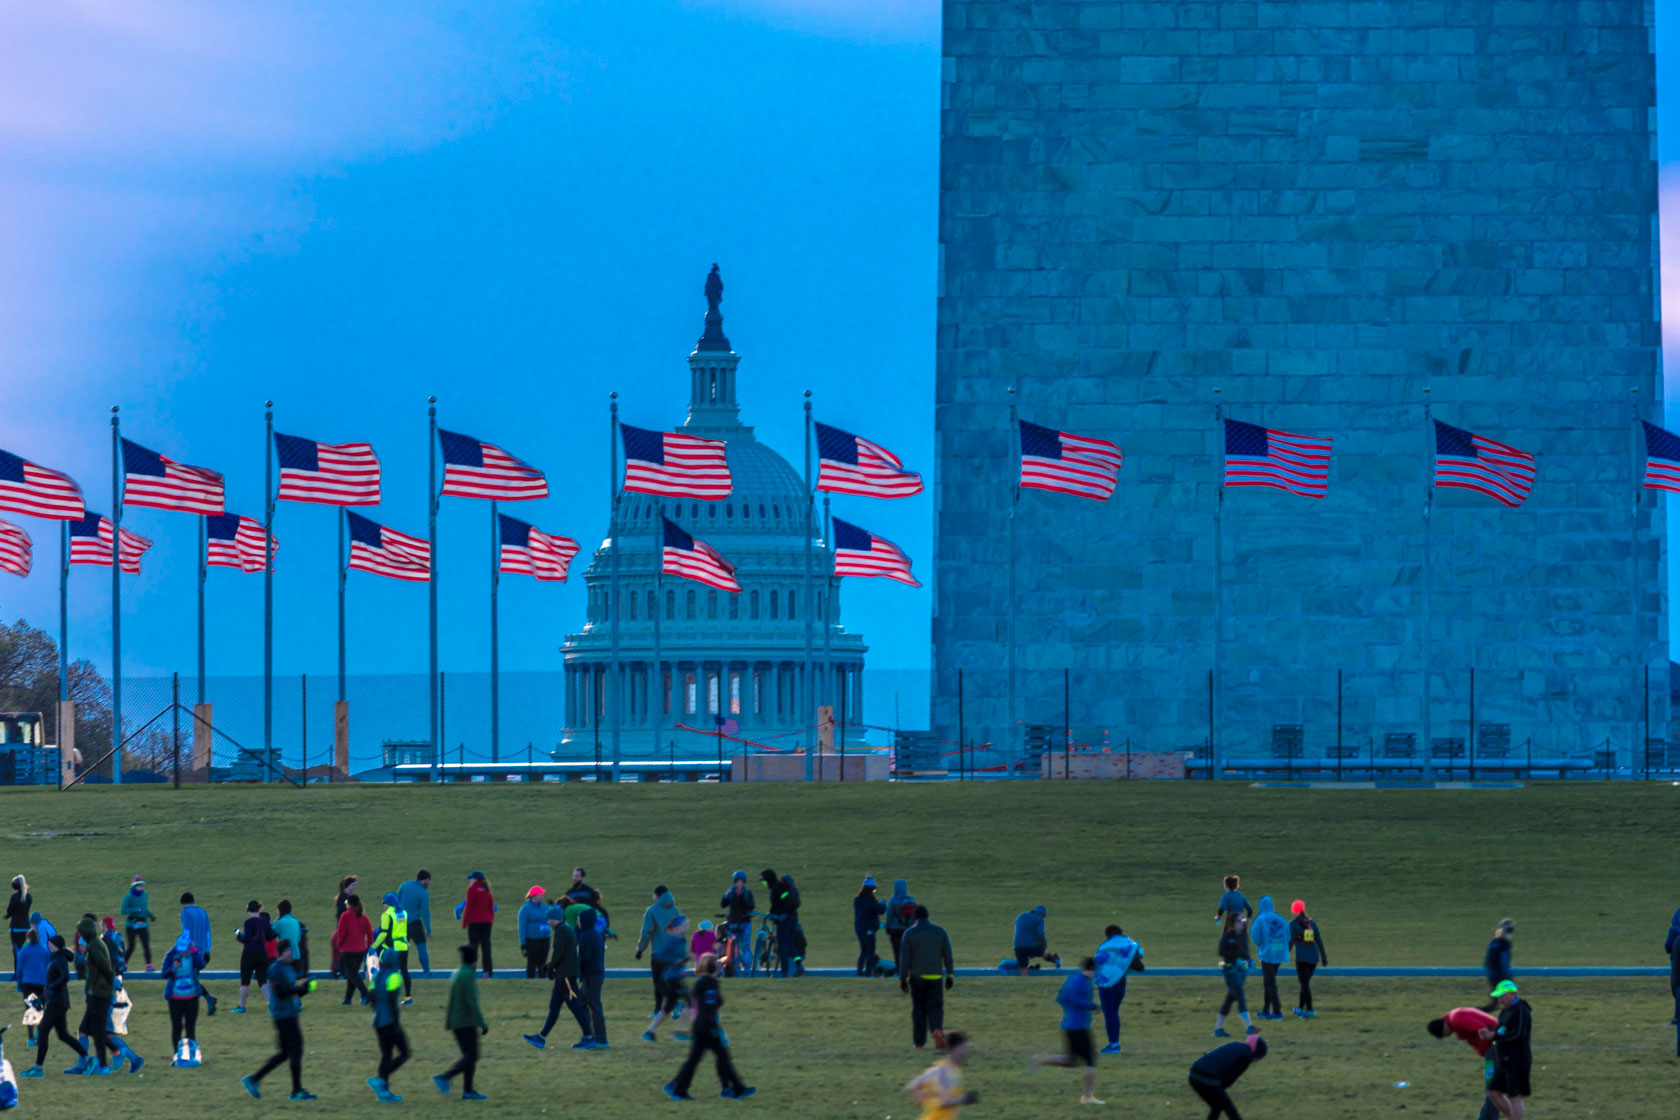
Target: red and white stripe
42,493
88,550
1498,470
703,565
503,477
1088,468
694,467
348,476
545,556
183,489
400,556
16,552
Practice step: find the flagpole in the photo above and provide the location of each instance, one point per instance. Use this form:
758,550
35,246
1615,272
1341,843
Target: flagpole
827,674
808,708
203,574
432,580
495,636
1218,590
613,604
268,589
1428,577
1014,505
343,571
63,619
658,613
116,599
1638,630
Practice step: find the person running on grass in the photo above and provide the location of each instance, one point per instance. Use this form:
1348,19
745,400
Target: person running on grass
708,1035
1117,958
415,898
464,1019
1215,1072
285,1005
350,943
1270,934
1234,965
926,950
564,968
387,1025
136,911
181,966
1513,1053
478,915
1077,998
55,1012
254,936
195,923
1308,943
670,956
1233,901
1467,1024
938,1089
393,935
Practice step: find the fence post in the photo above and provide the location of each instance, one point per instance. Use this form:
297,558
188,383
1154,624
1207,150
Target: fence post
1067,727
1472,723
962,731
1339,751
303,728
1213,756
175,712
1646,746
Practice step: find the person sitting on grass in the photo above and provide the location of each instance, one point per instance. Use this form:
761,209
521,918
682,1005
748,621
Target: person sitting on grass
1234,966
708,1035
1467,1024
1215,1072
1077,998
938,1089
1030,940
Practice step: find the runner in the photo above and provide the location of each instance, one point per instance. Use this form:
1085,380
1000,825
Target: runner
467,1023
196,924
254,937
1513,1054
387,1024
285,1004
670,958
1468,1023
1234,966
393,935
926,950
938,1089
1215,1072
478,913
18,910
1496,962
534,933
1270,933
866,922
738,906
1077,998
1117,958
415,898
181,965
350,943
708,1035
1310,952
901,915
1030,940
1233,901
564,967
136,911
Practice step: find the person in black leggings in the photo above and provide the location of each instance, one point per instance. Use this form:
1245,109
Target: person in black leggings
55,1016
1216,1071
17,915
1308,943
285,1001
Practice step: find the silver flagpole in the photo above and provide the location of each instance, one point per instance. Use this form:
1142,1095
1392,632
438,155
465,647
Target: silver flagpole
63,618
1428,576
116,600
495,636
343,572
1218,688
806,689
268,589
827,674
613,604
658,682
1637,755
1009,740
432,582
203,575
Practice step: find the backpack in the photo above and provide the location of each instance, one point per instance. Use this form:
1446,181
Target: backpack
906,914
184,984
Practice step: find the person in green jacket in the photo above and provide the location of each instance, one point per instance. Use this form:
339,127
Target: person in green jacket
925,972
101,986
136,910
467,1022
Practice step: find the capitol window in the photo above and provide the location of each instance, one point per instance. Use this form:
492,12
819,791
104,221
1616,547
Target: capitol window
712,694
728,511
632,598
734,694
734,606
775,610
689,695
792,599
746,511
670,606
752,605
691,605
711,605
711,511
665,691
653,604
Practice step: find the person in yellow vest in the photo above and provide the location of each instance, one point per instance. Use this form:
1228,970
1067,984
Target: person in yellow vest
393,935
939,1088
387,1024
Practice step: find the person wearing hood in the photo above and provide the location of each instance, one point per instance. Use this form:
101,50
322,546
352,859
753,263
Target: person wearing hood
32,963
136,911
478,912
534,933
1496,961
181,965
1117,958
43,928
866,922
784,917
1233,968
393,934
1270,934
195,923
1215,1072
18,910
654,920
1671,946
415,898
927,962
101,986
592,973
670,960
1031,940
900,916
387,1023
55,1012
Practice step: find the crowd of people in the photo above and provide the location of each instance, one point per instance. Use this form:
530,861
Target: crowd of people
562,939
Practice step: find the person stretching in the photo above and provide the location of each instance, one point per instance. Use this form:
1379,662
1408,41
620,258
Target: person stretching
1468,1023
1215,1072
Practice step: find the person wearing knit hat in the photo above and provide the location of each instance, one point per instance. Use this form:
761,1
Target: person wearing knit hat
1308,944
136,911
867,911
534,934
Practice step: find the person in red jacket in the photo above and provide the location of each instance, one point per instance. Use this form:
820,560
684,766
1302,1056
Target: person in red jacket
1467,1023
350,942
477,913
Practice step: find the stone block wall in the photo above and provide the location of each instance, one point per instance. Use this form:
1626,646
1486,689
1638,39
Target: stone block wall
1320,209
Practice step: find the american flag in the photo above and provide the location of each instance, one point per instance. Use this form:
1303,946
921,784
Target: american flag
1662,459
159,482
15,550
474,469
858,552
1256,456
28,488
233,541
90,543
386,552
853,465
530,552
692,558
1068,464
674,465
1472,462
726,725
332,474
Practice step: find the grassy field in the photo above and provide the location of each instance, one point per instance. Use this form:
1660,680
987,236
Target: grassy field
1395,877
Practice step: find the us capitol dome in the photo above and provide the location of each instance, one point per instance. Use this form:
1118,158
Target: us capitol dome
720,656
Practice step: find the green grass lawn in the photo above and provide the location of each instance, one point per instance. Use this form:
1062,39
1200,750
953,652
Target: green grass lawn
1395,877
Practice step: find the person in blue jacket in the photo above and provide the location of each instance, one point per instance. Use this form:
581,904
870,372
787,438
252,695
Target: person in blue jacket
1496,962
1270,935
866,923
534,933
32,961
195,923
1233,900
1117,958
1672,947
415,898
592,972
1030,940
1077,998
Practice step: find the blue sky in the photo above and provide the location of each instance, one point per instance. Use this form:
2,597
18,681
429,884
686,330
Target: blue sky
510,206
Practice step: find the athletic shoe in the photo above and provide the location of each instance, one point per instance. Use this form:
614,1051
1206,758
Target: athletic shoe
1299,1014
77,1070
302,1095
727,1095
938,1039
442,1084
1111,1048
599,1045
212,1003
135,1061
536,1040
33,1071
100,1071
1091,1100
378,1086
683,1037
1252,1029
1309,1014
237,1011
670,1088
408,1002
251,1088
150,967
745,1093
474,1097
649,1036
1221,1032
584,1044
346,1002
